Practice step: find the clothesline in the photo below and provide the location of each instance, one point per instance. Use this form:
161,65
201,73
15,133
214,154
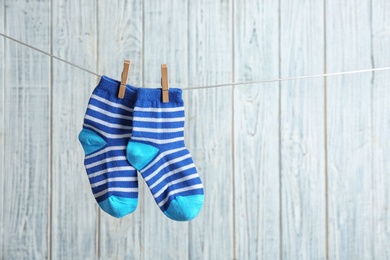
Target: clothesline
206,86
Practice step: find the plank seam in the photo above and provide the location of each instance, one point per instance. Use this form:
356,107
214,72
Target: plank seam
3,136
50,222
280,134
98,249
373,187
188,113
326,143
142,189
233,140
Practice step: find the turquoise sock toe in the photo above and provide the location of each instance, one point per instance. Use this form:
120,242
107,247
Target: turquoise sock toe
184,208
118,206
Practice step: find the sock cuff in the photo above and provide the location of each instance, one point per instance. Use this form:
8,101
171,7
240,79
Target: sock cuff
111,86
155,94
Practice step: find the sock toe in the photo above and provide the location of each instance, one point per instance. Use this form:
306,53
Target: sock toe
119,207
184,208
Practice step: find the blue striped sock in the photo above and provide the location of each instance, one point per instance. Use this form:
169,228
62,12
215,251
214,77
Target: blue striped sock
106,132
158,151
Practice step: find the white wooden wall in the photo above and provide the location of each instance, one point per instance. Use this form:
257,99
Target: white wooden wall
296,169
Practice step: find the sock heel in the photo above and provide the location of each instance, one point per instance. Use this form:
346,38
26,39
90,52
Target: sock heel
91,141
140,154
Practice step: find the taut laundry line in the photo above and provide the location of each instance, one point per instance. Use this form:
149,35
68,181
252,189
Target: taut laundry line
208,86
48,54
291,78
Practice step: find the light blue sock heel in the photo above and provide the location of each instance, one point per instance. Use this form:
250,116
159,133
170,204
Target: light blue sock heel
139,154
90,141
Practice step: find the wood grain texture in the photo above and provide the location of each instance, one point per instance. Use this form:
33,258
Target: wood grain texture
257,211
2,131
74,208
75,32
302,131
210,127
26,184
256,128
380,32
28,21
349,121
120,38
165,41
2,23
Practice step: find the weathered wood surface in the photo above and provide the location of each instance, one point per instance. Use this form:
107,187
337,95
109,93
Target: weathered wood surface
349,130
28,21
26,89
2,129
210,127
380,31
256,131
73,206
303,179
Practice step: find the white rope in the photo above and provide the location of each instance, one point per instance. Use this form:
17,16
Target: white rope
208,86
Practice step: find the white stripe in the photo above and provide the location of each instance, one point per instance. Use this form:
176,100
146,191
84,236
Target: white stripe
115,189
194,187
161,156
116,179
158,130
106,160
158,120
105,123
114,169
166,175
179,159
105,101
102,111
158,141
155,109
186,178
107,134
112,148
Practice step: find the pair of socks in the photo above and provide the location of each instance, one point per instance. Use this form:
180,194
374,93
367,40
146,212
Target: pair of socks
139,133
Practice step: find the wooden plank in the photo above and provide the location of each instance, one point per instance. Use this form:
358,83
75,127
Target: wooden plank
303,180
380,123
123,23
211,232
74,32
120,38
165,41
2,130
256,127
210,127
349,132
303,168
28,21
74,209
26,130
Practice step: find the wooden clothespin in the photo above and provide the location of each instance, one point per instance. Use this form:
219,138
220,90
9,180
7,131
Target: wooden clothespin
125,73
164,83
